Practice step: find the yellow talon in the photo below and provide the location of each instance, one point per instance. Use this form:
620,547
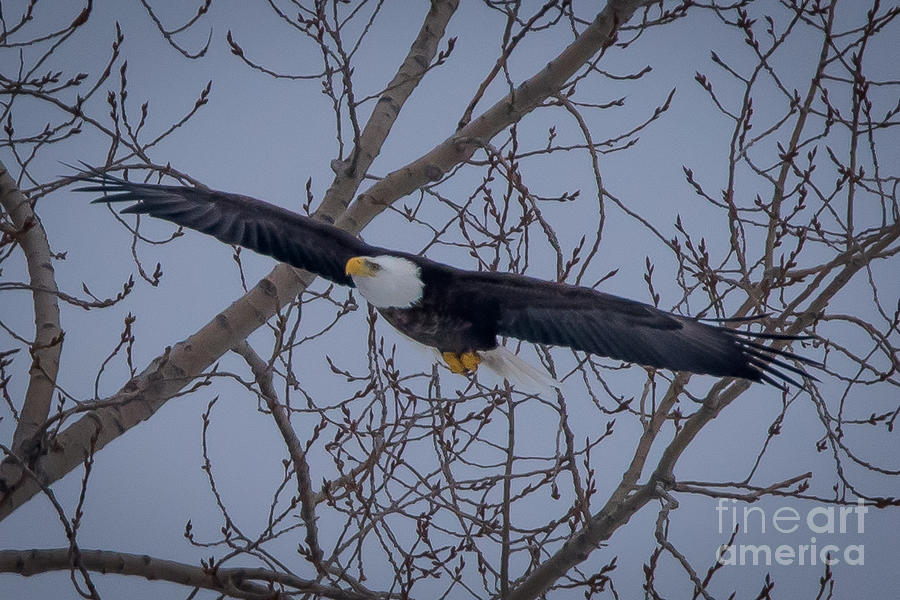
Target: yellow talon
467,362
453,361
470,360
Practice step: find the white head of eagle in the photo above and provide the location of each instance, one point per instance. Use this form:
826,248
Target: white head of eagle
386,281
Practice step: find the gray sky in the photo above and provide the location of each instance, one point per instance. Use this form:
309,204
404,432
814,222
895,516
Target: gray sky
266,138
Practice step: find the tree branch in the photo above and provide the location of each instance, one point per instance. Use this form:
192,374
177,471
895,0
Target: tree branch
263,376
239,582
48,336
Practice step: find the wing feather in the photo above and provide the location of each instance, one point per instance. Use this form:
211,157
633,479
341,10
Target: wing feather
517,306
235,219
591,321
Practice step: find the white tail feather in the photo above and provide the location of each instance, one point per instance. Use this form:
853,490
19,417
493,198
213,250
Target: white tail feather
523,376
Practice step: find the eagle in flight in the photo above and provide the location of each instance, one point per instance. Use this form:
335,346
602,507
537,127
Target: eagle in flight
461,313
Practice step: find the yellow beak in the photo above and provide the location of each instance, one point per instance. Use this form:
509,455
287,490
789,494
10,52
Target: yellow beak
359,266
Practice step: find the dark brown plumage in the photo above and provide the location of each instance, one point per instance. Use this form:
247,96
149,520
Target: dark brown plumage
466,311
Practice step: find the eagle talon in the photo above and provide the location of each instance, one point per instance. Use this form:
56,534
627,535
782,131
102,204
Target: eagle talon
453,361
467,362
470,361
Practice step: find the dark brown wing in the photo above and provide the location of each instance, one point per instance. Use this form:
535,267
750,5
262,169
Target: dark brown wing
585,319
235,219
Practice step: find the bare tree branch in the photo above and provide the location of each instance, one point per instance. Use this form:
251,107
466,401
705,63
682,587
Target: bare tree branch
237,582
47,345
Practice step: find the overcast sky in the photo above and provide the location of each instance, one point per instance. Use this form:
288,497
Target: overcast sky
265,138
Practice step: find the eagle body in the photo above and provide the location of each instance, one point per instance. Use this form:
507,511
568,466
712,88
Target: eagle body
464,311
448,331
447,317
464,314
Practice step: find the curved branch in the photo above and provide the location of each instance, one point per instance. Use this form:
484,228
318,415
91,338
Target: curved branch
48,336
239,582
263,376
387,109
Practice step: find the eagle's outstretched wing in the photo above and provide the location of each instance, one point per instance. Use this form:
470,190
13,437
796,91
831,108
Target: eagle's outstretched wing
584,319
508,304
235,219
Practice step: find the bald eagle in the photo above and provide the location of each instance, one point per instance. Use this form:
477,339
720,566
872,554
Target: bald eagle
462,314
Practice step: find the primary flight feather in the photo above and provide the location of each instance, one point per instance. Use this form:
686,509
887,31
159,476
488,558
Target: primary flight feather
463,313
